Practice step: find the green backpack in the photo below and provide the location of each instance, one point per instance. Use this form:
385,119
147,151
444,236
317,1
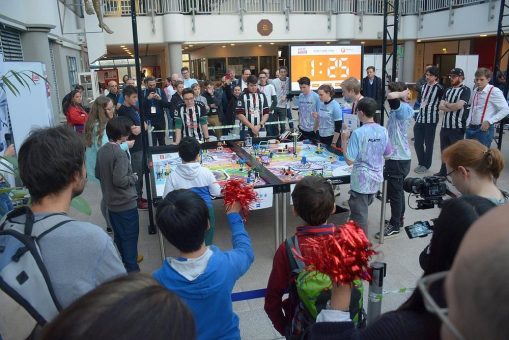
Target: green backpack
311,290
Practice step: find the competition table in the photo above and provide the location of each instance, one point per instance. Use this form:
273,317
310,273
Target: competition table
278,166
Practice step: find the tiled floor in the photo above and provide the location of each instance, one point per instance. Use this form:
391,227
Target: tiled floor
400,254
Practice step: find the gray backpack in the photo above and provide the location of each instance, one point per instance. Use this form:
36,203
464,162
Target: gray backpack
27,298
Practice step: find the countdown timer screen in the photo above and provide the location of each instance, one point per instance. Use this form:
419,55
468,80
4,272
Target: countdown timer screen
324,64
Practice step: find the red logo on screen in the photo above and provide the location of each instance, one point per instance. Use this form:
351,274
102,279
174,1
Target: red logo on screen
302,50
343,50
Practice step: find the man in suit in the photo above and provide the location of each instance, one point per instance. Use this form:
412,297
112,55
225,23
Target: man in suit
372,85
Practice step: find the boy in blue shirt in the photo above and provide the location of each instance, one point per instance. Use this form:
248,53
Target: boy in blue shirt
308,103
397,166
365,149
203,276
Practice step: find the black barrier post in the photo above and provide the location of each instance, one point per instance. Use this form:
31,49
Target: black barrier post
376,291
151,226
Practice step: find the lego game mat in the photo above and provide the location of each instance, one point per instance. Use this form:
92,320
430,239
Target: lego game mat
309,160
223,162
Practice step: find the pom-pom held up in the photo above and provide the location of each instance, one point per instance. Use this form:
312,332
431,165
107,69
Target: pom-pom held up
237,190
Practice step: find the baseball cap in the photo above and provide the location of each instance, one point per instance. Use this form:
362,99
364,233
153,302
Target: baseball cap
457,72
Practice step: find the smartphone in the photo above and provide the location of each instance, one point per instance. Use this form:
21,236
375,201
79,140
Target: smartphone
8,139
418,229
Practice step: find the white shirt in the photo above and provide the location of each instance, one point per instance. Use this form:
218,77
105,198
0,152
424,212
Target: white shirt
496,109
268,90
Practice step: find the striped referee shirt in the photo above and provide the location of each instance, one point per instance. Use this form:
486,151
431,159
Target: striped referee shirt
456,119
253,106
431,96
190,120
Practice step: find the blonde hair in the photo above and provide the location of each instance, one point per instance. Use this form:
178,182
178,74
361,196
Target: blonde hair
351,84
470,153
98,116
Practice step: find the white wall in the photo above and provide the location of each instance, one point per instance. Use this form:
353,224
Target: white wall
302,27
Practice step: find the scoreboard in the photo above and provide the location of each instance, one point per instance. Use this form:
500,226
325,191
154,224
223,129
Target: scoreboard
324,64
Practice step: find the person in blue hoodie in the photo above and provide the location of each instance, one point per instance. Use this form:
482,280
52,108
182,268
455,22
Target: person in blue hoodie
203,276
191,175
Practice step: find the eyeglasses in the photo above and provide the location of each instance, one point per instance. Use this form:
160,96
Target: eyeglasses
432,281
448,176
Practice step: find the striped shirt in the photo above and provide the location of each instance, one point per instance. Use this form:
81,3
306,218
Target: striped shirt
456,119
431,96
190,120
253,106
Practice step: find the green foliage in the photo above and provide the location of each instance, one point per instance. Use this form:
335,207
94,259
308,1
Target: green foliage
12,79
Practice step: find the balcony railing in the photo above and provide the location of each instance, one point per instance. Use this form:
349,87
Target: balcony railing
372,7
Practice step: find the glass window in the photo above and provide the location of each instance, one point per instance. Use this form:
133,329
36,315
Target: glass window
72,68
238,63
216,68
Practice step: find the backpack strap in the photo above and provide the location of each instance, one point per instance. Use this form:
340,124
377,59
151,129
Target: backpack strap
36,229
292,248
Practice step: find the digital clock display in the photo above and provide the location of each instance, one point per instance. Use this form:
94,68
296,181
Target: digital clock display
324,64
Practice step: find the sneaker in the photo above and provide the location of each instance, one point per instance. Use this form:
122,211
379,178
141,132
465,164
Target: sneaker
139,258
109,230
142,205
390,231
420,169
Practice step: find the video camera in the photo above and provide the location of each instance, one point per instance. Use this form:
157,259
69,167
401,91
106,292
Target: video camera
430,189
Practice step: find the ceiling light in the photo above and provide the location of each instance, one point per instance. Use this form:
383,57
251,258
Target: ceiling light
483,35
259,45
224,46
232,44
418,40
328,42
272,43
363,42
191,45
444,49
122,45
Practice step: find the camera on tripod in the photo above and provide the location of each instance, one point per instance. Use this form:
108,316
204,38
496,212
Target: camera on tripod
429,189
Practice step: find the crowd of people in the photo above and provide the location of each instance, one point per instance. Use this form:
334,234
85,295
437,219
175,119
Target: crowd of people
189,296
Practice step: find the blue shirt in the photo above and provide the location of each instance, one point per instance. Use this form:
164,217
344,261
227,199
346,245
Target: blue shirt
307,105
328,114
397,127
189,82
367,147
209,294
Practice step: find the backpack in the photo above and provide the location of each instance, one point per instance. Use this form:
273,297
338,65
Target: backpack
311,290
26,294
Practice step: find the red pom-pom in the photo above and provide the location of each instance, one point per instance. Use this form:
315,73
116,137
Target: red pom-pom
343,255
237,190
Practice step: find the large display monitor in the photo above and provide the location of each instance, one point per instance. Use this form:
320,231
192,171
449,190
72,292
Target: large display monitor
324,64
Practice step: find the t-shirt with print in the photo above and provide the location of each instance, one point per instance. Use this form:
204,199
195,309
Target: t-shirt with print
397,127
367,147
307,105
328,113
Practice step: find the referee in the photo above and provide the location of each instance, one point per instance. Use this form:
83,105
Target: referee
455,106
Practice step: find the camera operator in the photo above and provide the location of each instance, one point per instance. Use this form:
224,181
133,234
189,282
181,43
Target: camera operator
473,169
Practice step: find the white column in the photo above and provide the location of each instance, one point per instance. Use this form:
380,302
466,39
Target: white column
409,61
36,48
174,58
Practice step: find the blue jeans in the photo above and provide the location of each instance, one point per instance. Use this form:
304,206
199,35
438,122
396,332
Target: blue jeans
126,227
484,137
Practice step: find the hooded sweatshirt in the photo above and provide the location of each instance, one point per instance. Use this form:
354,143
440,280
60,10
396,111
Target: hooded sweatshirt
206,283
195,177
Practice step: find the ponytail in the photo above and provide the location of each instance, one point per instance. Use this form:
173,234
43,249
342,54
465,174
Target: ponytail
493,162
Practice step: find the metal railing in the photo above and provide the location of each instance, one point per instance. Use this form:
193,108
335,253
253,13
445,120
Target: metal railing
371,7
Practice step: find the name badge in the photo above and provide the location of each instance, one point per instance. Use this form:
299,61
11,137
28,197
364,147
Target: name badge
153,109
